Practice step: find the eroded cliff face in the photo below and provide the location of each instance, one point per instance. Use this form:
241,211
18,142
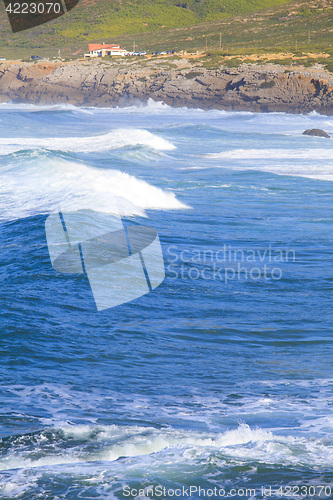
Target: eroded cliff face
94,83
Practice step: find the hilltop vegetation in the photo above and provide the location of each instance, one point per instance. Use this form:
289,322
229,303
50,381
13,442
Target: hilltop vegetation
228,31
101,19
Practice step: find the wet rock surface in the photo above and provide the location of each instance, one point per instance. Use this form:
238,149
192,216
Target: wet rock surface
316,132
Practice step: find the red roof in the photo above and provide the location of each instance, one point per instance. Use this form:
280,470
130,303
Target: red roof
100,46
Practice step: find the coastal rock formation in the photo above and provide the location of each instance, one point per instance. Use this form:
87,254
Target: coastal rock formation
103,83
317,132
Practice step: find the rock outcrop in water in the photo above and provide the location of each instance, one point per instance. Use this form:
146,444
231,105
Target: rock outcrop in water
317,132
101,83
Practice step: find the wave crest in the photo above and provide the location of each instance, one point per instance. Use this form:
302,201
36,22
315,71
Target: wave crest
117,138
84,443
43,185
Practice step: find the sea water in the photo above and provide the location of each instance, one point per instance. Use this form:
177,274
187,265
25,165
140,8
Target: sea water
222,377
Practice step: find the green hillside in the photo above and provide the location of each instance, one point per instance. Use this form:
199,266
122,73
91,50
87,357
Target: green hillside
97,20
226,30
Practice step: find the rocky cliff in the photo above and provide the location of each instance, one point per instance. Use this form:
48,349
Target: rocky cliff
99,83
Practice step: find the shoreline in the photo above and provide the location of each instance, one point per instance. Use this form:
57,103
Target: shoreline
105,83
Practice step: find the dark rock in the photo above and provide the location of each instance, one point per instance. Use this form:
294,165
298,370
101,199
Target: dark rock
317,132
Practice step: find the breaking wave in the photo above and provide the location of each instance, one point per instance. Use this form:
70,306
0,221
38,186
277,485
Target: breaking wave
117,138
39,184
84,443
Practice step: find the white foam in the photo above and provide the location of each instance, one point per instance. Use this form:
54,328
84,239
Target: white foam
271,154
316,164
79,444
14,106
43,185
117,138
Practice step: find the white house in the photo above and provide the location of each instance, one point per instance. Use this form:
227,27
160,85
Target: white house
102,50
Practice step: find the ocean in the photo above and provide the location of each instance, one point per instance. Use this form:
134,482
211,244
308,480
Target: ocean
219,382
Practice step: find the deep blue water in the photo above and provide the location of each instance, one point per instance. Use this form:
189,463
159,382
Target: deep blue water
219,378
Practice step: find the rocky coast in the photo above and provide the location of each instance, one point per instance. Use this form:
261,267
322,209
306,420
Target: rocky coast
101,83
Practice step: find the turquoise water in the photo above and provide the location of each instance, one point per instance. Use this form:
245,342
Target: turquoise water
220,378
